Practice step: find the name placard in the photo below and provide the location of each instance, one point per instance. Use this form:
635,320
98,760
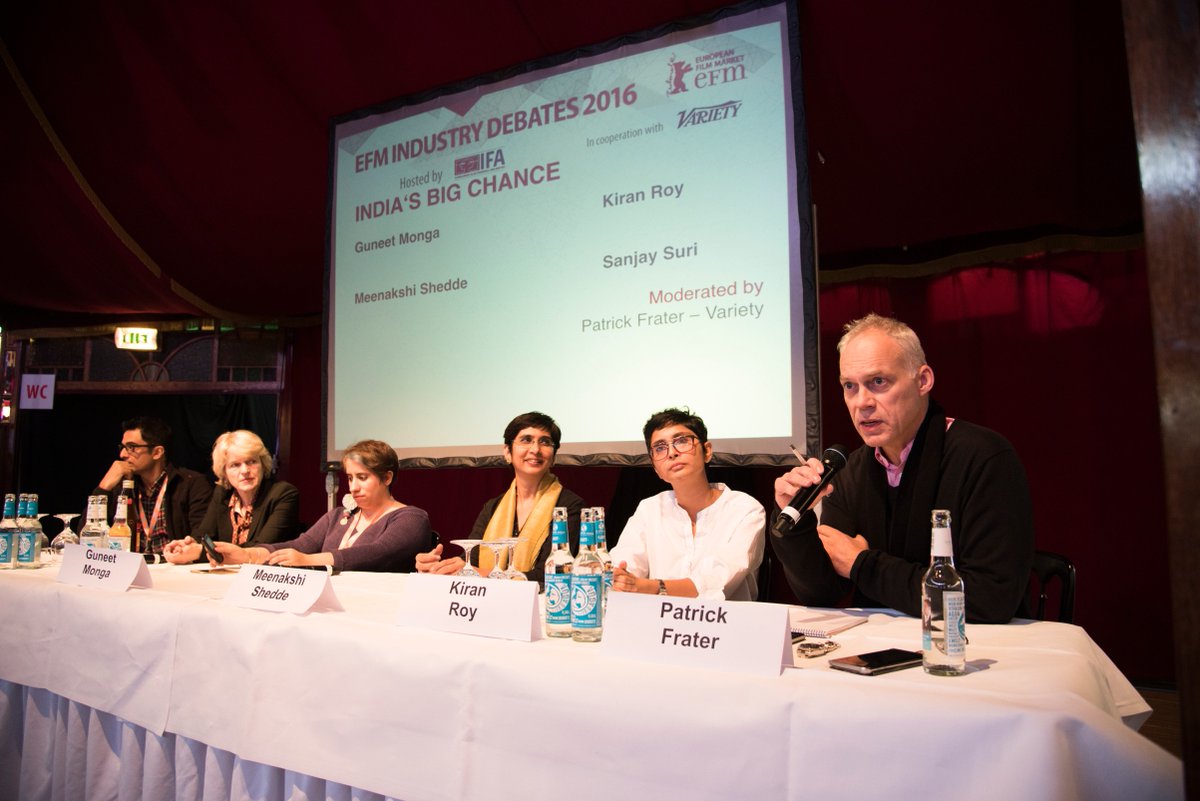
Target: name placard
739,636
109,570
484,607
276,588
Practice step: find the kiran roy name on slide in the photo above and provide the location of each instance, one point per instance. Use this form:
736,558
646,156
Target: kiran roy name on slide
712,311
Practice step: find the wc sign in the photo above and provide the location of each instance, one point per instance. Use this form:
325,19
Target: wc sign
37,391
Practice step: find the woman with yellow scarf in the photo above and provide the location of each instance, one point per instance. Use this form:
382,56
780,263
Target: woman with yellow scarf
531,441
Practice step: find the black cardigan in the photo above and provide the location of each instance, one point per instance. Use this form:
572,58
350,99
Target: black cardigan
970,470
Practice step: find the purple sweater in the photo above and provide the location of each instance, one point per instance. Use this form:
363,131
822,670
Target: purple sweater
390,544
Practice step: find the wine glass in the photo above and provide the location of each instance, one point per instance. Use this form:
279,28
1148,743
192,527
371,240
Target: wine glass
498,548
467,545
45,544
510,571
63,538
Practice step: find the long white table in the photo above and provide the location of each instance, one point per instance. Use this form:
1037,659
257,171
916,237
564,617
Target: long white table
171,693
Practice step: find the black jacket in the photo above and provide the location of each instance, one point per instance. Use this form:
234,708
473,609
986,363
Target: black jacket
276,514
187,499
970,470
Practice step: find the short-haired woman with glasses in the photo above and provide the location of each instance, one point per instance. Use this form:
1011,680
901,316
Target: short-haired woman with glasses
696,539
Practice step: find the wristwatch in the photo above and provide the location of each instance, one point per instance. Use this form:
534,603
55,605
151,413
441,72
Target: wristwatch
662,588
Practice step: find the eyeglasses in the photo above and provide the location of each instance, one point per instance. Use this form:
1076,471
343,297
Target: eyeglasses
684,443
541,442
132,447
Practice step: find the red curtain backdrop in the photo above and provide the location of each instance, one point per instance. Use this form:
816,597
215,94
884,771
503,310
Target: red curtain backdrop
1055,352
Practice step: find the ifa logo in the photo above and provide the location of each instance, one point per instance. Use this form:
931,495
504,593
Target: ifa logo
479,162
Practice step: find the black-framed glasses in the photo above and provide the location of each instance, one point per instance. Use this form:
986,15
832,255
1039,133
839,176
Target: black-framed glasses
684,443
132,447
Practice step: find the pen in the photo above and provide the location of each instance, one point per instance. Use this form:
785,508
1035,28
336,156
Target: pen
803,459
327,568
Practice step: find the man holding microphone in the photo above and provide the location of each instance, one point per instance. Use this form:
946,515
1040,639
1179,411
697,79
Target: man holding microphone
873,536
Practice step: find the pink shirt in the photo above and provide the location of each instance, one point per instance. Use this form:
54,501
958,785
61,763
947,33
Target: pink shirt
896,471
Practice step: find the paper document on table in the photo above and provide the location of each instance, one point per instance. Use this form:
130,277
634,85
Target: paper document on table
821,622
216,569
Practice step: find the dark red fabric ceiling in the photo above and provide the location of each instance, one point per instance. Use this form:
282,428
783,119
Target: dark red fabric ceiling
202,129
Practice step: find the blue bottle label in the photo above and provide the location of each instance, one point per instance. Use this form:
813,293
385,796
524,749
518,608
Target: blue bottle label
955,606
558,599
558,532
25,545
586,589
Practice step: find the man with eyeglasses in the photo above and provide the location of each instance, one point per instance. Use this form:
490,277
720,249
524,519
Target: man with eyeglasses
168,501
873,537
696,540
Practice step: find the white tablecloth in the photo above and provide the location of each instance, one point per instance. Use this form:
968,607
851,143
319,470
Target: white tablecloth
214,701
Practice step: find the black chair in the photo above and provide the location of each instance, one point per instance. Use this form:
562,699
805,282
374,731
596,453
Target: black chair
764,574
1048,566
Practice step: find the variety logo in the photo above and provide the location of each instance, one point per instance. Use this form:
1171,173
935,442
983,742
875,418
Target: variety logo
479,162
702,115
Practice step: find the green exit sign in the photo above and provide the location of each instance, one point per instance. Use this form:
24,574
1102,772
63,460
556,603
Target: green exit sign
136,338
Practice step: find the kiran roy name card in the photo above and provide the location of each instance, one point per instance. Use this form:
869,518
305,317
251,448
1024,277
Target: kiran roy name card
468,605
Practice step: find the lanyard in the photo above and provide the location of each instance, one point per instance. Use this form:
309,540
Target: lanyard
148,530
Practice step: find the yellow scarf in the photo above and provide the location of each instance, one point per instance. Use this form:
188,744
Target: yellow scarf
533,533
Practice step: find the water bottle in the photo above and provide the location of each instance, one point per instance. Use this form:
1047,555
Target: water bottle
558,577
587,585
943,605
29,535
8,532
95,531
120,537
602,550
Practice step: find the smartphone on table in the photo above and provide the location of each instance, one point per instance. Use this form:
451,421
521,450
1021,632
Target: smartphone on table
876,662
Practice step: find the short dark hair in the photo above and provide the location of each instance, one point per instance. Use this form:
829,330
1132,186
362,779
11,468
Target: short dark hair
675,417
154,430
375,455
533,420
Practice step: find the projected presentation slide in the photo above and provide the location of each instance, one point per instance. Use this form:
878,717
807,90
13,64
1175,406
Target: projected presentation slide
595,240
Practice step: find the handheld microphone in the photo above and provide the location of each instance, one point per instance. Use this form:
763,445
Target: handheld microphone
834,459
331,485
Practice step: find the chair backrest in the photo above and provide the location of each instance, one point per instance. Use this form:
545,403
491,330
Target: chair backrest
1046,567
764,574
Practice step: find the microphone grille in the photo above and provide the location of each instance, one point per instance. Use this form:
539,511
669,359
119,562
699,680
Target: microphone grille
835,456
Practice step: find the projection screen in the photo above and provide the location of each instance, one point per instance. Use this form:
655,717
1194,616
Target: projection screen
596,236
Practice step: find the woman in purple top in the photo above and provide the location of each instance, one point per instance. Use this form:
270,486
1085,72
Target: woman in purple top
379,534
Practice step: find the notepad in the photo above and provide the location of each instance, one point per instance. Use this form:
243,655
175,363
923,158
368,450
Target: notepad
216,568
821,622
